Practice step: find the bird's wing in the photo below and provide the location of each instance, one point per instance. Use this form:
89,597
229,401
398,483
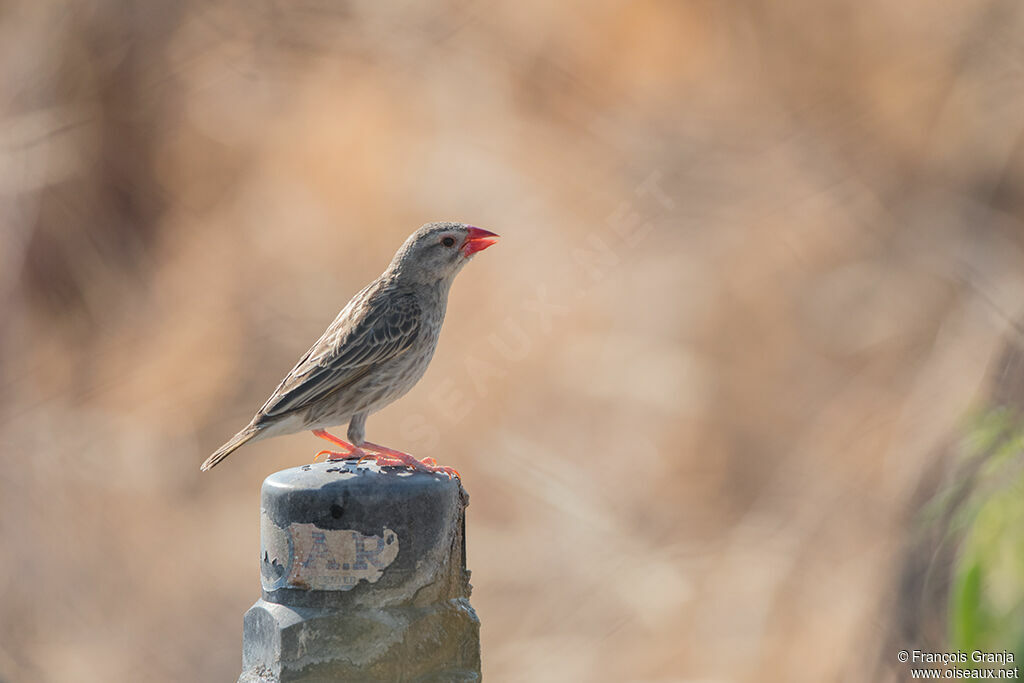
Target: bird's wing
376,326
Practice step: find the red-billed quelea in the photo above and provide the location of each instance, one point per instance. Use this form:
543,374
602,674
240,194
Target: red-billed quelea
373,353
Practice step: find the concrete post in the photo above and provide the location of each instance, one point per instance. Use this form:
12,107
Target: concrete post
364,579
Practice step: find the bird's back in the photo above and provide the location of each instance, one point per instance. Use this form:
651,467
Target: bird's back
376,349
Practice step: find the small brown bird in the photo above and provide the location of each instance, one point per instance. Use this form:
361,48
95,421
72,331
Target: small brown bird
373,353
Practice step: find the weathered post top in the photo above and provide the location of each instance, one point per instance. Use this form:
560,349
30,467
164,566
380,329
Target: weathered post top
364,578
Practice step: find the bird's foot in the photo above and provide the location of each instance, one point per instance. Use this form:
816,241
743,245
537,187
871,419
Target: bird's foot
434,467
389,457
350,452
386,461
332,456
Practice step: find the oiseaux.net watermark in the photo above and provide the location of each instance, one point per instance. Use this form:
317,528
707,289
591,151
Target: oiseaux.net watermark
959,665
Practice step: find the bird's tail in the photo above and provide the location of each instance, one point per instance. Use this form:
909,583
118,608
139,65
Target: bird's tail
227,449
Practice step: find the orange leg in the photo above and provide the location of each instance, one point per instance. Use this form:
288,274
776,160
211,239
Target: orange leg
349,452
388,457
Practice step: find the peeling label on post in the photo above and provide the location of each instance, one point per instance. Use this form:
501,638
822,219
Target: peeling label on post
308,557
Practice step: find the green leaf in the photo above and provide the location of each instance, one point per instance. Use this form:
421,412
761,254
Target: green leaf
967,616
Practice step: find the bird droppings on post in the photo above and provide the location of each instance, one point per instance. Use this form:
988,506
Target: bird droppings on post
363,578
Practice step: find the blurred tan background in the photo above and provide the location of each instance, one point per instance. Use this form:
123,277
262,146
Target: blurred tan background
759,262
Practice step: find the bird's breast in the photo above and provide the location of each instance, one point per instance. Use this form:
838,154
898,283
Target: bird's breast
391,380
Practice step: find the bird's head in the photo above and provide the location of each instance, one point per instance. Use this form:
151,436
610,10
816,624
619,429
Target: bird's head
437,251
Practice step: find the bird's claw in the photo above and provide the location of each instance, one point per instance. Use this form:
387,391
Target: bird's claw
333,456
432,466
330,455
444,469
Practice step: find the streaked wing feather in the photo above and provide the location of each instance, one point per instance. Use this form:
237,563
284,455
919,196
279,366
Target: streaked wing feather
360,338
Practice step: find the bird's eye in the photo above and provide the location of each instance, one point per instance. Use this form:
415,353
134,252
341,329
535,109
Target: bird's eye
448,241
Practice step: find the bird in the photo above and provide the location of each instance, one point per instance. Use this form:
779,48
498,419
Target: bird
375,351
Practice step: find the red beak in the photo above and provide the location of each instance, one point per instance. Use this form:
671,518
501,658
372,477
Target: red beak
478,240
